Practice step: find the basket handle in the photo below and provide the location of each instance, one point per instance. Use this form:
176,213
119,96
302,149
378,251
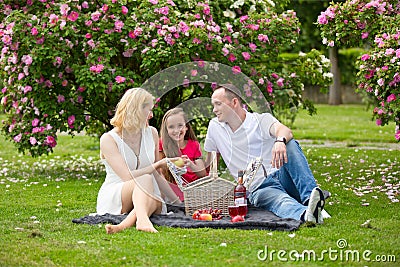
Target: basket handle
174,171
213,165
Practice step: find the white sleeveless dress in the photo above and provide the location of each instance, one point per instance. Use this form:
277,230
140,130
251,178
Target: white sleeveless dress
109,196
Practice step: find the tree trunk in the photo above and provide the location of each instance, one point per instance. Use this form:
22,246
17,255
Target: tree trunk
335,92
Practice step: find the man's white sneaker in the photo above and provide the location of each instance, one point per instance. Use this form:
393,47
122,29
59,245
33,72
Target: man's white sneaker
315,206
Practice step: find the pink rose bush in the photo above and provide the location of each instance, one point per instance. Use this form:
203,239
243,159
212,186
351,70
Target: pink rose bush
65,64
375,23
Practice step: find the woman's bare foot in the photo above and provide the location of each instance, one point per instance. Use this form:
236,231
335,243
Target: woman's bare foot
112,229
146,226
149,229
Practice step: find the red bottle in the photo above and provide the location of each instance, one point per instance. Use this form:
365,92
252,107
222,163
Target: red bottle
239,193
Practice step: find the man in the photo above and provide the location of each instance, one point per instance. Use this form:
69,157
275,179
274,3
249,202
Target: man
289,189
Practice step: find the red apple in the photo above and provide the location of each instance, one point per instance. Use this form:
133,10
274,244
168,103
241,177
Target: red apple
205,217
196,215
237,218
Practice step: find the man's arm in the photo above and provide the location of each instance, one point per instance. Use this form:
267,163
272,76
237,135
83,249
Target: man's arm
279,155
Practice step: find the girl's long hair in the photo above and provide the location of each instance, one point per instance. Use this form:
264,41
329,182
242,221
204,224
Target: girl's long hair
170,146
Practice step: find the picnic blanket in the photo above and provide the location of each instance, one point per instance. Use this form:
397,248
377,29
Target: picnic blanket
256,218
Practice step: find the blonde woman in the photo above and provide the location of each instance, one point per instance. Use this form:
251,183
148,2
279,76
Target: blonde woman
130,154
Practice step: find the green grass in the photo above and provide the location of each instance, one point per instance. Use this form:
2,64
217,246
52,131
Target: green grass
40,197
348,123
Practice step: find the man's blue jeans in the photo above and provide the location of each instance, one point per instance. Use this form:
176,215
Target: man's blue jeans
285,191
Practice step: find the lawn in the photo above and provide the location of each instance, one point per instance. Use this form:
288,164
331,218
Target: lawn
355,160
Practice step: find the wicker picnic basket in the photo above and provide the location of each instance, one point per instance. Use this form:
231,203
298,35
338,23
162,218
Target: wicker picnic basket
208,192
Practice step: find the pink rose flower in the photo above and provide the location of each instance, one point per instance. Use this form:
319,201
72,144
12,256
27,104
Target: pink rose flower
246,55
196,41
124,10
322,19
64,9
53,18
32,140
97,68
390,98
17,138
35,122
120,79
60,98
253,47
27,59
70,121
131,35
231,57
50,141
236,70
263,38
279,82
243,18
73,16
118,25
34,31
269,87
365,57
95,16
27,89
38,129
138,31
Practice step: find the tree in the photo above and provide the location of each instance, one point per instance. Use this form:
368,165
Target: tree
375,25
65,65
310,37
335,92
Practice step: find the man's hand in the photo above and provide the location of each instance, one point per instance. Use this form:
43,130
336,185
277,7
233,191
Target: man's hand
279,156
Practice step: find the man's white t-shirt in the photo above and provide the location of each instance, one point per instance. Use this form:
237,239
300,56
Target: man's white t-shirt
251,140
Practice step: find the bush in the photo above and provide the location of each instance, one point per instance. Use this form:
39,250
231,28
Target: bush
66,64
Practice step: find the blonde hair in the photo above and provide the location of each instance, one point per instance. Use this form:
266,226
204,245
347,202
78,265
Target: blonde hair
129,110
170,146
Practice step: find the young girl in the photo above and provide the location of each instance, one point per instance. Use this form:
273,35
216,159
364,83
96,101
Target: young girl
178,140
